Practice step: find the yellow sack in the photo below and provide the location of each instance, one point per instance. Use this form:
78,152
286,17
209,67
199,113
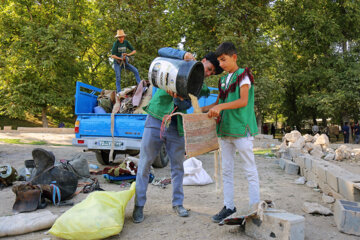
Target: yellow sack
99,216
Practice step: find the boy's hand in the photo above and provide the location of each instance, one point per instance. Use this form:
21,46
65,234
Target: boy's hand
214,111
174,95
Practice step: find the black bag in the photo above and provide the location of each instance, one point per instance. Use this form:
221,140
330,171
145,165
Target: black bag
47,173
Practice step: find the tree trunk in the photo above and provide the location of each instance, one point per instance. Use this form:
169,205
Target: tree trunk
44,118
259,122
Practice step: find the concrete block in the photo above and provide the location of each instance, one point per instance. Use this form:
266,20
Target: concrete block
270,137
347,188
45,130
282,163
7,128
347,216
300,160
320,172
331,179
291,167
286,155
276,225
308,163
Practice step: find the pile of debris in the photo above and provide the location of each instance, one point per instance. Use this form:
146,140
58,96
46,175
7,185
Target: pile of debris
318,146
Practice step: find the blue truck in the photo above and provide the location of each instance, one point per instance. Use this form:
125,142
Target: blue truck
93,130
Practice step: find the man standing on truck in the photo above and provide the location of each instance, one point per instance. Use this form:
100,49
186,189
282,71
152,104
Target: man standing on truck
161,104
121,58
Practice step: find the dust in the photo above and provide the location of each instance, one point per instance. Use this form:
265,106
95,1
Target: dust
195,104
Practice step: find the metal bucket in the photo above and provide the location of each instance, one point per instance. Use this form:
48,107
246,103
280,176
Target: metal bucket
180,76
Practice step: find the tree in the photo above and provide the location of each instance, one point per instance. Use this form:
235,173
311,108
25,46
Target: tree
40,44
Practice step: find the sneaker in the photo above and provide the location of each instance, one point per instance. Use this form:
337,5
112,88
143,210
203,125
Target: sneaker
138,215
181,211
224,213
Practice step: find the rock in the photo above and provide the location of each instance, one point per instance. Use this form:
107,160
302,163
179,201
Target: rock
294,152
329,150
299,143
315,137
311,184
317,147
327,198
283,147
292,136
316,153
309,146
329,156
315,208
304,151
308,138
300,180
342,153
357,156
322,140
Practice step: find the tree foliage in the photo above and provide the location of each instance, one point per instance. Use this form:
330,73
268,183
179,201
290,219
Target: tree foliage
304,54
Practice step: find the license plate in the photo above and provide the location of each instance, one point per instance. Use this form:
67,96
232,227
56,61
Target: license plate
108,143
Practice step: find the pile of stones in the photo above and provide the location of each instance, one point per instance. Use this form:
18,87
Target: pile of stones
317,146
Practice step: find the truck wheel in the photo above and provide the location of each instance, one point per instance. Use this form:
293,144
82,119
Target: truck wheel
162,159
102,156
133,153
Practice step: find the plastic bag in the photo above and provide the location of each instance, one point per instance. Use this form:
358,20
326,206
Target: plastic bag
26,222
99,216
194,174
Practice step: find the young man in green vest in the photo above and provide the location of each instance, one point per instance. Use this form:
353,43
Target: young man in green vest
236,126
164,103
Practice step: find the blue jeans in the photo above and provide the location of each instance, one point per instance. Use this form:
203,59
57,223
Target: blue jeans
118,69
357,139
149,150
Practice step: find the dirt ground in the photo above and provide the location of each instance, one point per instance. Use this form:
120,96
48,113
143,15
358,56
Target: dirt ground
203,201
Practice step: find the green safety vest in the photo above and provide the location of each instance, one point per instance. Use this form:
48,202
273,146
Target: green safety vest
241,121
162,104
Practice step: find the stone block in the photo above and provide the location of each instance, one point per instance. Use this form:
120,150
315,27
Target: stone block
268,137
282,163
286,154
291,168
308,163
320,172
347,188
300,160
331,179
276,225
7,128
310,176
45,130
347,216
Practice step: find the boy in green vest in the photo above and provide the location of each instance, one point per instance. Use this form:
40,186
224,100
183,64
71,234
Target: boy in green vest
236,126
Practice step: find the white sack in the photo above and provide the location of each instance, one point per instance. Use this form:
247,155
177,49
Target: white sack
194,174
26,222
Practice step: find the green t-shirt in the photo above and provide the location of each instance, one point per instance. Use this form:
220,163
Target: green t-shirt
119,48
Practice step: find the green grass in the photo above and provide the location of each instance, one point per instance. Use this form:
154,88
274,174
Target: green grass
264,152
18,141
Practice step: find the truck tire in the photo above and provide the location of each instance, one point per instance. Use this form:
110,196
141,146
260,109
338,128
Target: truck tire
162,159
102,156
133,153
